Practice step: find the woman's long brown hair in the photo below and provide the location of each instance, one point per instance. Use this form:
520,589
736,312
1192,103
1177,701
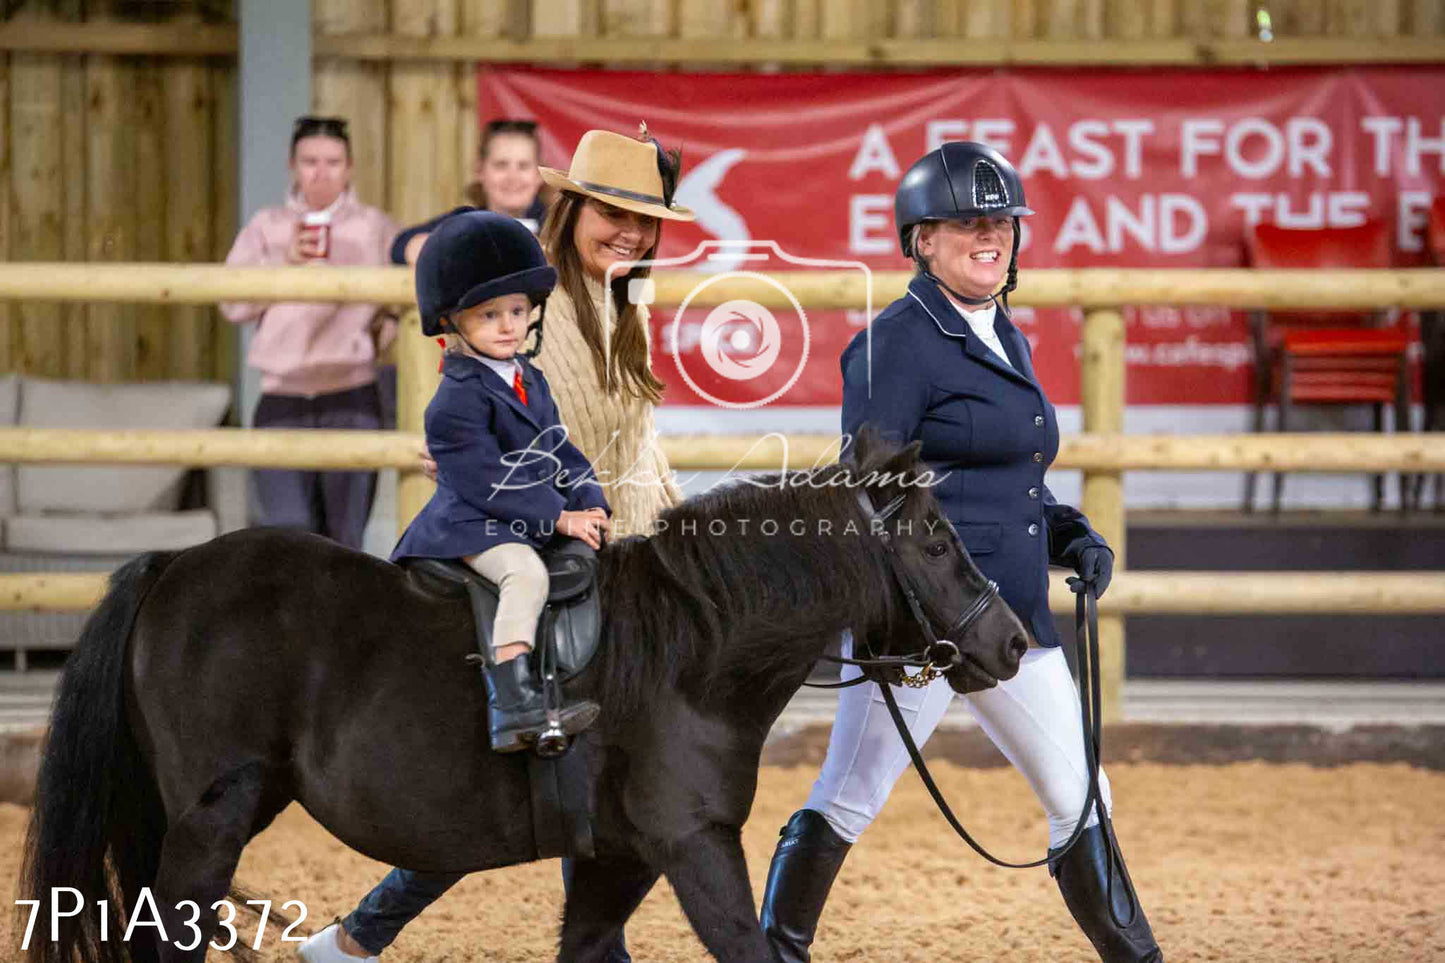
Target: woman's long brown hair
629,371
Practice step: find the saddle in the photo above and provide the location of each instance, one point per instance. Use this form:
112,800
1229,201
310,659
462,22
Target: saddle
565,643
570,624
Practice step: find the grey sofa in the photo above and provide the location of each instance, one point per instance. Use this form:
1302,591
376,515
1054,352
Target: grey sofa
80,518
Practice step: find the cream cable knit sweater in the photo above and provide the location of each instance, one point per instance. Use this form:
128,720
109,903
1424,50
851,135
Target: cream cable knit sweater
616,432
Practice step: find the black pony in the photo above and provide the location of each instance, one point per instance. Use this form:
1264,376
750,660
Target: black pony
214,686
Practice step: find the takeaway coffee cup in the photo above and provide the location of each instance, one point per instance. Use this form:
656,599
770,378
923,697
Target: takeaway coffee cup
319,223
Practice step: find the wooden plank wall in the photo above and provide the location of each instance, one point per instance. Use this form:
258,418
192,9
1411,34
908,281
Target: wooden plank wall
106,158
113,158
415,122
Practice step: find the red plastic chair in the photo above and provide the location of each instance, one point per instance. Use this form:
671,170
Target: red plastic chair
1327,358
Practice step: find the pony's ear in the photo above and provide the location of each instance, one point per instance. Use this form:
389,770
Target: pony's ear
871,447
862,445
903,463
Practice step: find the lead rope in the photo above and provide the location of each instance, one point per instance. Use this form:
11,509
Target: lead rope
1086,636
1086,616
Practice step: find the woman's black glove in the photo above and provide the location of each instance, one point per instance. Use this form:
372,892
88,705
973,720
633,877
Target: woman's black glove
1095,562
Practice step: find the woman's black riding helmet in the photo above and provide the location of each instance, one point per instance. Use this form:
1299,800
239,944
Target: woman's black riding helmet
960,179
473,257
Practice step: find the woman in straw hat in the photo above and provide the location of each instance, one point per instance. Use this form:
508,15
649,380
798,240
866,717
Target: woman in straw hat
595,348
594,351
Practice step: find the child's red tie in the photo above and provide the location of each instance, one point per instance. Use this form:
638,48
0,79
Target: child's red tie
518,387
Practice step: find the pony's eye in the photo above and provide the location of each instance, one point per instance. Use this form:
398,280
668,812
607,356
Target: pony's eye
937,549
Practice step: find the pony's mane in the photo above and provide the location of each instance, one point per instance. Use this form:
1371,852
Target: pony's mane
713,599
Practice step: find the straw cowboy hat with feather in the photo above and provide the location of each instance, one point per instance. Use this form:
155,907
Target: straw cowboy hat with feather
635,175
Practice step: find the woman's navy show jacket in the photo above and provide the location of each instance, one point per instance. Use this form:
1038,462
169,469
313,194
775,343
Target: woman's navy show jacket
987,430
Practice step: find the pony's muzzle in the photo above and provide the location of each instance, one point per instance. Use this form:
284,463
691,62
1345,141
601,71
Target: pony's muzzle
990,651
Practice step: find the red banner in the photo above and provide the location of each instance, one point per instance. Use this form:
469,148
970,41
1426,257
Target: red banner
1124,169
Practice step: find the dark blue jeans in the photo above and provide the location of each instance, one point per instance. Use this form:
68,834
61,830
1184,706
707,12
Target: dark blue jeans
331,503
402,895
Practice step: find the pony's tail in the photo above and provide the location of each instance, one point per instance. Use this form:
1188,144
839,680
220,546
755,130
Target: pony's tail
98,821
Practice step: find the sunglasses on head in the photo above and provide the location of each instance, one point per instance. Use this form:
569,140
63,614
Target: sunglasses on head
328,126
509,126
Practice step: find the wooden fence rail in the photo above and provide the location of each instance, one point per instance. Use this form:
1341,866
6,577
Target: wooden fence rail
1132,593
351,450
1054,287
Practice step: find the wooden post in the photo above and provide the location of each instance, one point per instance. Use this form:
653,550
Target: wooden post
153,184
1061,20
641,18
110,211
225,196
1163,18
489,20
188,103
566,18
73,114
1127,19
1236,21
35,128
992,20
703,18
1429,18
424,170
416,382
7,360
922,18
771,19
1101,393
356,90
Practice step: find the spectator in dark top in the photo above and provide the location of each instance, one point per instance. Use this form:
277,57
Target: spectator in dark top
506,181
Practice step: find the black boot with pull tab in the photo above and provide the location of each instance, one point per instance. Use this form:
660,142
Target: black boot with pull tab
1091,875
522,714
1101,898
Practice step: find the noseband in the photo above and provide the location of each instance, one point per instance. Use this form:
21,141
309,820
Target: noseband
940,653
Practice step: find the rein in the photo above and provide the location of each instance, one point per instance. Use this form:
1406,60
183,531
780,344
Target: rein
1086,640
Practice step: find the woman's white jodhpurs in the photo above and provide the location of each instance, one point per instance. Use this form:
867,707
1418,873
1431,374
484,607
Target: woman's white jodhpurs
1033,718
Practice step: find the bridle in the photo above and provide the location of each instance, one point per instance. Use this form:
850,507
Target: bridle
939,653
944,653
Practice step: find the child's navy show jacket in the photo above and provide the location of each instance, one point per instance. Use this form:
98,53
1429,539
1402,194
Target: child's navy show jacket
481,501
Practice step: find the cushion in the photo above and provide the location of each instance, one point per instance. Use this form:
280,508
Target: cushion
76,404
9,409
108,534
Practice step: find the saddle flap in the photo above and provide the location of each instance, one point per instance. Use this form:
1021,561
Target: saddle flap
570,624
569,575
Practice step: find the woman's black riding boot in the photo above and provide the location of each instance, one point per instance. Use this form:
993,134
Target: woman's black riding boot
804,866
1082,875
519,712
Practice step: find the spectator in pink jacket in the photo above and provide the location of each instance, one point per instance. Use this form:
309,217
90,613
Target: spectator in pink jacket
317,361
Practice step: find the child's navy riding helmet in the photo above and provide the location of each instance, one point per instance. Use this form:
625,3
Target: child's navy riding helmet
476,256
